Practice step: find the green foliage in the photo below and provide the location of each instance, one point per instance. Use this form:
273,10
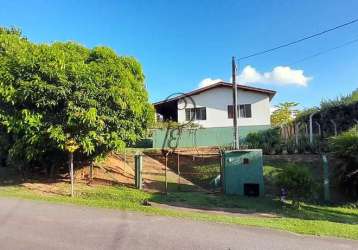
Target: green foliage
54,95
284,113
290,146
345,148
10,31
342,111
343,100
304,114
298,182
268,140
303,145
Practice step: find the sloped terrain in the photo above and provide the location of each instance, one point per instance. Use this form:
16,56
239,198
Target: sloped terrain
119,169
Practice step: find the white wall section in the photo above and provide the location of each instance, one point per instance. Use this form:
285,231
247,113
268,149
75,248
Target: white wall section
216,101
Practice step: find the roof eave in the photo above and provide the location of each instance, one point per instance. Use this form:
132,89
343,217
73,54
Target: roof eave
270,93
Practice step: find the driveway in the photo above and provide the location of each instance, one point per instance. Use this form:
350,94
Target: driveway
39,225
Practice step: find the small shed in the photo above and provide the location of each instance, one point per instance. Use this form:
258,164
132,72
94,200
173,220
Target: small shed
243,172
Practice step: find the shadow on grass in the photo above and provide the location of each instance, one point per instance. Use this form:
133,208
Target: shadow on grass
171,187
11,177
247,205
328,214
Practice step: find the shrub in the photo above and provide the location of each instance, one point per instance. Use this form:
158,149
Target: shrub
291,146
267,140
303,145
278,148
345,149
298,182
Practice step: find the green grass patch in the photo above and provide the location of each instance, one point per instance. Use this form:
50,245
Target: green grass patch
203,175
310,219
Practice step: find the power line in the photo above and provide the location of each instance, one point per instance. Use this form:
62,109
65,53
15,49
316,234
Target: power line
324,51
297,41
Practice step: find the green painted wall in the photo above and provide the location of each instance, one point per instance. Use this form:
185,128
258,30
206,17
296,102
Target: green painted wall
200,137
237,173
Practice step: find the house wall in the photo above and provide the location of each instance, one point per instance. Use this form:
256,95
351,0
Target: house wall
200,137
216,101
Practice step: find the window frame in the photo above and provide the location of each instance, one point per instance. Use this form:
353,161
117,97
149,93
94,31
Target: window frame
195,114
243,111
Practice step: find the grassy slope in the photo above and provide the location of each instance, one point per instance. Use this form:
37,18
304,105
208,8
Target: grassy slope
316,220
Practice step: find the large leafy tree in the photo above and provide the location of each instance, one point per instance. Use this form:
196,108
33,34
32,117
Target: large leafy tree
64,97
284,113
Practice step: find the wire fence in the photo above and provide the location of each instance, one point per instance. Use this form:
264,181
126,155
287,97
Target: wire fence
181,172
161,171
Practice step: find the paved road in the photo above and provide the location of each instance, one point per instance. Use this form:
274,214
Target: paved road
37,225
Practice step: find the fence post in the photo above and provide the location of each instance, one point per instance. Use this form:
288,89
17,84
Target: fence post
178,164
165,172
334,126
138,159
125,161
91,171
319,128
297,131
306,130
71,173
326,179
221,172
311,127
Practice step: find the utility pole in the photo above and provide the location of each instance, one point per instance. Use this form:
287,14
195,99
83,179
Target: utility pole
235,111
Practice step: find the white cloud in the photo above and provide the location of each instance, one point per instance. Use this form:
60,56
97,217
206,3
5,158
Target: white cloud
283,75
208,81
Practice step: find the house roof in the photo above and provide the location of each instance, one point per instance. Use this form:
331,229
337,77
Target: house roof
269,92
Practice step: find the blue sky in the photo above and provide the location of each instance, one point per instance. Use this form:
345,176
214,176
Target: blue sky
180,43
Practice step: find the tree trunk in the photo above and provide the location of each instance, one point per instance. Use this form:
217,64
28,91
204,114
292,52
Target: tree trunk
71,172
53,171
91,171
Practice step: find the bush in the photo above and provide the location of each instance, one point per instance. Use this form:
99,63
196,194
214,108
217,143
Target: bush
291,146
298,182
345,149
268,140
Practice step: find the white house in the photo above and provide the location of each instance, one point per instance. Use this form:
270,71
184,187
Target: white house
211,106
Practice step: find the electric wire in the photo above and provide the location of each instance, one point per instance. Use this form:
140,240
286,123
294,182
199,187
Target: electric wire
298,41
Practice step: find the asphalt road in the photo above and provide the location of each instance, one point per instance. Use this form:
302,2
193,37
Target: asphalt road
37,225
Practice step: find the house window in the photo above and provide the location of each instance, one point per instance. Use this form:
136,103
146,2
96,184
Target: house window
244,111
195,114
230,111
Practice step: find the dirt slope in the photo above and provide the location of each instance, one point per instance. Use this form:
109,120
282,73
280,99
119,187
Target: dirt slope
119,169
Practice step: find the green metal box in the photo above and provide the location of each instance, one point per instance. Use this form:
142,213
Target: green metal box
243,172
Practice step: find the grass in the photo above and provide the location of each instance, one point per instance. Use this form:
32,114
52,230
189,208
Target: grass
203,175
310,219
313,219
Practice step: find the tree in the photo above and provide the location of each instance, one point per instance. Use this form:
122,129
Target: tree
284,113
60,94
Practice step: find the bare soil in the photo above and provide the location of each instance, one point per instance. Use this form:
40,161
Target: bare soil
119,169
